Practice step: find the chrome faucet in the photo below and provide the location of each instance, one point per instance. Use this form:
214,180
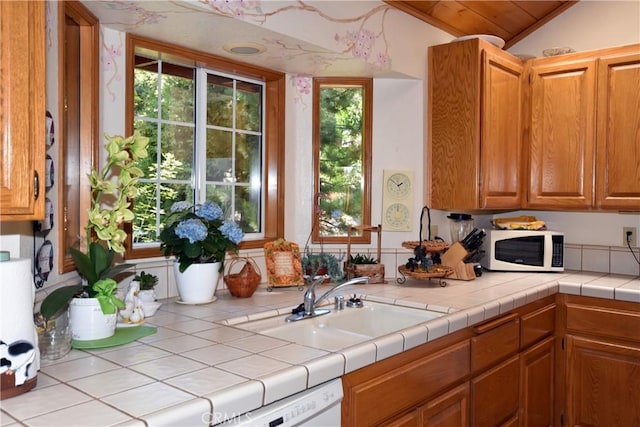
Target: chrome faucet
310,301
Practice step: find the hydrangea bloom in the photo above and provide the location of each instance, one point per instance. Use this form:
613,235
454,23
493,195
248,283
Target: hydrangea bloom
181,206
198,234
209,211
232,231
192,229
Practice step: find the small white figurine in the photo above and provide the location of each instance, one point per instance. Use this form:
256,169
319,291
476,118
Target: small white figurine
132,312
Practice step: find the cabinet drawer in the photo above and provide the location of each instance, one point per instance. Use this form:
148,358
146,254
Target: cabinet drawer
402,388
495,340
494,394
537,325
604,321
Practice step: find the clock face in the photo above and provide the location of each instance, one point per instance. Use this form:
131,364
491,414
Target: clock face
398,185
397,216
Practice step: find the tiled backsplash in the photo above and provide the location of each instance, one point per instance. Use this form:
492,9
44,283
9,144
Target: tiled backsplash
601,259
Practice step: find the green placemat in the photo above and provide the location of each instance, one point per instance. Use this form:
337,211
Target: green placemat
122,336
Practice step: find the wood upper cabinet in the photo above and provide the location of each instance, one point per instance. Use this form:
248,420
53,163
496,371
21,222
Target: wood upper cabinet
618,130
22,106
562,134
474,150
584,128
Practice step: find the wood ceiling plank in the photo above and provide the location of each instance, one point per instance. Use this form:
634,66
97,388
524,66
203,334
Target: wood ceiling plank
466,20
504,14
540,22
509,19
539,9
422,11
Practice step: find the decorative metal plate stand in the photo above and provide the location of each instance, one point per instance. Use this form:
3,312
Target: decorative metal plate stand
423,275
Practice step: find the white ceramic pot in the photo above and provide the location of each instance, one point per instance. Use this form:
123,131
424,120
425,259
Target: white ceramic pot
198,283
147,295
150,307
88,322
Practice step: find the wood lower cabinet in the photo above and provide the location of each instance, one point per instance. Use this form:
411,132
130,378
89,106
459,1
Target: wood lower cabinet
379,392
469,378
537,383
22,106
494,394
412,419
449,410
564,360
602,362
603,383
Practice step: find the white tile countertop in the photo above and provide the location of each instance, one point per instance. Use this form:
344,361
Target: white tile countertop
198,370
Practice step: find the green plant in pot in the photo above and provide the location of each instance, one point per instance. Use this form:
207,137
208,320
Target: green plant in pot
112,189
147,281
199,237
362,259
146,290
316,264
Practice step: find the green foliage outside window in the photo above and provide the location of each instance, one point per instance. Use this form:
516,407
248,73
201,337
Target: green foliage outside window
164,110
341,159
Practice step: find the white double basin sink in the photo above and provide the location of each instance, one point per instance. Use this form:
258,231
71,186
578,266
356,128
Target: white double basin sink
342,328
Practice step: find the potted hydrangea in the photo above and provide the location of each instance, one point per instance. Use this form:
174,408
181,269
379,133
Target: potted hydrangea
199,237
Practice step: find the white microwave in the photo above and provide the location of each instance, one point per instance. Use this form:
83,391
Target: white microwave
523,250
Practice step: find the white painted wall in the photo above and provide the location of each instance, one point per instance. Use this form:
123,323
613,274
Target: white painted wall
399,115
585,26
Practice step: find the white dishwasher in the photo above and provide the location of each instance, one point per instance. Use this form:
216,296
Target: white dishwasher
316,407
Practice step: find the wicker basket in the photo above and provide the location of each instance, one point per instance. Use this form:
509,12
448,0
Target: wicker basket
439,271
431,245
245,282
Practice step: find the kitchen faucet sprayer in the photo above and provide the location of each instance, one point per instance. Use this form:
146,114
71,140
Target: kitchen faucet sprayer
310,301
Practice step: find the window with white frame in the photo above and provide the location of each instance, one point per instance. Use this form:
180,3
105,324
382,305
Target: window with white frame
207,141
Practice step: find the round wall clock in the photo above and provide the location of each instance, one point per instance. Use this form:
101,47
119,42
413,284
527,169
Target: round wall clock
398,185
397,216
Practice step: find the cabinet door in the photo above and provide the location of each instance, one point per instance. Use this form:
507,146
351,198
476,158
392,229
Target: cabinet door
602,383
537,384
407,420
494,394
449,410
618,131
474,145
501,123
454,125
22,117
401,387
562,132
